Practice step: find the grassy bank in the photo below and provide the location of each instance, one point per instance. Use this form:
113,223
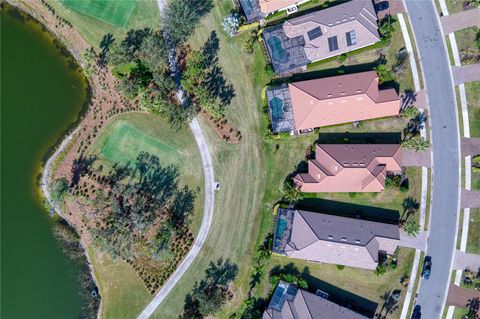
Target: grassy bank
141,13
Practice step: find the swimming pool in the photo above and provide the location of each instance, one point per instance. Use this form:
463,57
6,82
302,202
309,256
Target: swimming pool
278,53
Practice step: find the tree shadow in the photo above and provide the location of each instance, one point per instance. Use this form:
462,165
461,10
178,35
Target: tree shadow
340,296
212,291
390,303
80,167
410,206
415,125
217,84
349,210
408,98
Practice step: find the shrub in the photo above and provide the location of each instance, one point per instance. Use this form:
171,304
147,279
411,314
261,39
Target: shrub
342,57
380,270
411,227
410,112
476,164
416,143
393,181
352,194
340,267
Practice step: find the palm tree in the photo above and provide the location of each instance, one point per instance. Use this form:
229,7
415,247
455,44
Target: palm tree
411,227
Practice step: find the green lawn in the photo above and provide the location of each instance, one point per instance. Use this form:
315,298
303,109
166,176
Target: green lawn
473,103
129,134
125,142
250,171
473,243
91,25
123,293
113,12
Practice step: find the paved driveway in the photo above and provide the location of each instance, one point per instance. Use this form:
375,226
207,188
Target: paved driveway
470,146
418,242
466,261
445,143
466,73
461,20
470,199
459,297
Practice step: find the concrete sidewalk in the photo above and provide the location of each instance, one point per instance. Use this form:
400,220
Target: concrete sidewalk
461,20
466,73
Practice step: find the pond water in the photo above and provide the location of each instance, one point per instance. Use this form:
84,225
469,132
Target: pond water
42,94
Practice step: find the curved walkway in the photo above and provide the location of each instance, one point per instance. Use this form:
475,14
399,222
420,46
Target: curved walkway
209,196
206,222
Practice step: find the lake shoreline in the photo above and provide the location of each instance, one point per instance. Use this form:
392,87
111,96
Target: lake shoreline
48,161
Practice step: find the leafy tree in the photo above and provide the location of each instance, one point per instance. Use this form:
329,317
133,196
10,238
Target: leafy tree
182,17
290,192
196,80
212,292
381,269
386,27
144,197
288,273
416,143
59,189
411,227
384,74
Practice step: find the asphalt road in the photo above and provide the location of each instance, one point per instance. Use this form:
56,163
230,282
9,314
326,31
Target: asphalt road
445,142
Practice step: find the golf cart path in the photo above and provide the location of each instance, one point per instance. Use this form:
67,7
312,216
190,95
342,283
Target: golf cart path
209,197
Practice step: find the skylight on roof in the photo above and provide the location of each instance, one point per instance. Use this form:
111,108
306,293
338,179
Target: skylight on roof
314,33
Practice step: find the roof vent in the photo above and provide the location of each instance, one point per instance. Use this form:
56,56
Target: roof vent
357,241
330,237
344,238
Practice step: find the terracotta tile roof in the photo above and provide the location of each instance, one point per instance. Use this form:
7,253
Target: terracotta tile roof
301,304
350,168
333,239
269,6
341,99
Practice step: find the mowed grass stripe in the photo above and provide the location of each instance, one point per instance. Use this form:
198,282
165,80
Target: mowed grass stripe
126,142
110,11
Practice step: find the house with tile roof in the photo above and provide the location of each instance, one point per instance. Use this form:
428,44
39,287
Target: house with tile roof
305,105
289,302
332,239
258,9
344,168
321,34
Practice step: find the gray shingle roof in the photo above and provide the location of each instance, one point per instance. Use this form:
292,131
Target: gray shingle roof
305,305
